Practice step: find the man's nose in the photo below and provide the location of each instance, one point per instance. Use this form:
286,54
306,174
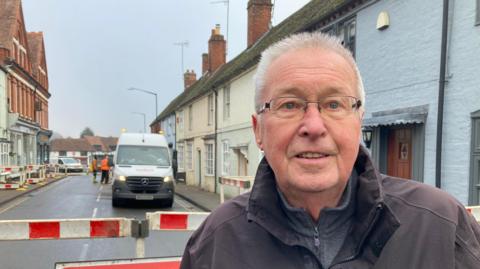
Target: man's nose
313,122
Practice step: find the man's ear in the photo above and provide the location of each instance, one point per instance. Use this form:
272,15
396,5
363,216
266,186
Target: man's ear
256,130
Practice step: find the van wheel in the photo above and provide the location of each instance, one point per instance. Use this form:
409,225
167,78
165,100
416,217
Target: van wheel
116,202
168,203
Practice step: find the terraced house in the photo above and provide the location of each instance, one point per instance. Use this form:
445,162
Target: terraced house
24,94
420,70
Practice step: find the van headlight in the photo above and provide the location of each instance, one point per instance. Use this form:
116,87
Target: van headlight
167,179
121,178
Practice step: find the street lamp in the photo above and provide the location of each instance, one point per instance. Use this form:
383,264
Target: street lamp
149,92
144,122
367,136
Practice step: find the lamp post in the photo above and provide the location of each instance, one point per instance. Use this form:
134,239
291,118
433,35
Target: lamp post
144,122
149,92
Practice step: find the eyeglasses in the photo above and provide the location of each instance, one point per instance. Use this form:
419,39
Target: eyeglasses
335,107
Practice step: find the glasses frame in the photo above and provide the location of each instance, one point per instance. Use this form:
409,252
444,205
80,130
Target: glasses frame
267,105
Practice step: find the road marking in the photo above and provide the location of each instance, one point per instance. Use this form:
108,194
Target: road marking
14,204
94,212
184,205
98,197
83,254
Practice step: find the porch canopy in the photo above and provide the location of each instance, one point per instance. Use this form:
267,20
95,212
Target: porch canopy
411,115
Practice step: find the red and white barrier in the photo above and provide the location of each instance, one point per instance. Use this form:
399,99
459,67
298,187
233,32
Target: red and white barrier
175,221
40,170
64,229
243,183
475,211
149,263
13,177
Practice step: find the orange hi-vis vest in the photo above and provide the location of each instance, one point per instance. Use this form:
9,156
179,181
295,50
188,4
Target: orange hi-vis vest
104,165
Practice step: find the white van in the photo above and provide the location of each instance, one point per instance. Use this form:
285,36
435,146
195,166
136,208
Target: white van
143,169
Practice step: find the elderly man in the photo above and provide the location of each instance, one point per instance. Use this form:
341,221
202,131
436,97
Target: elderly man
318,201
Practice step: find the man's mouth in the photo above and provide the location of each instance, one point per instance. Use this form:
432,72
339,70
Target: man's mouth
312,155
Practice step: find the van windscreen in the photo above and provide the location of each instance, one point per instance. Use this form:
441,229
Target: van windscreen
143,155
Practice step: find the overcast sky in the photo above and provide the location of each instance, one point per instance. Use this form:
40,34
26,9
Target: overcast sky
97,49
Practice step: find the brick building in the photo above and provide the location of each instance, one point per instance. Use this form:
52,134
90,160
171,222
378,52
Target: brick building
24,132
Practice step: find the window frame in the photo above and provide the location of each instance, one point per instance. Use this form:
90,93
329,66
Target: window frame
210,109
190,117
225,157
226,102
209,160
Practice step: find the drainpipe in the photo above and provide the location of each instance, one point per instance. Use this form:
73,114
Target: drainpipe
215,137
441,95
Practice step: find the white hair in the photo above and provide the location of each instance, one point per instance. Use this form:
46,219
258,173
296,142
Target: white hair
302,41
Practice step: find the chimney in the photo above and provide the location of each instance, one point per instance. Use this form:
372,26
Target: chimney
189,78
205,64
216,50
259,16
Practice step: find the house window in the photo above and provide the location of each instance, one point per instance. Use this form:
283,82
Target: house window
189,155
226,102
226,158
210,109
83,153
190,117
180,157
209,159
345,31
62,153
4,150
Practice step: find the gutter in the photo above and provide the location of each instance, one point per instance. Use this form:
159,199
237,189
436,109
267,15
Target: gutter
441,96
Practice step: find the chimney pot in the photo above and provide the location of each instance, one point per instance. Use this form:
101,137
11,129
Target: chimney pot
216,50
189,78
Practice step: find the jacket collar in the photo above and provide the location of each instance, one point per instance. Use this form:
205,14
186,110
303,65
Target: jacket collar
370,210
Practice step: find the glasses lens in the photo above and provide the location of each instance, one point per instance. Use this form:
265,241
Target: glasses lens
287,107
338,106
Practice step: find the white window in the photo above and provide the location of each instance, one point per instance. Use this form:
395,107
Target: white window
226,158
180,157
226,102
190,117
4,150
189,155
209,159
210,109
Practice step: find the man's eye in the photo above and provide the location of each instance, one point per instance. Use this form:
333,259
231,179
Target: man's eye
333,105
289,105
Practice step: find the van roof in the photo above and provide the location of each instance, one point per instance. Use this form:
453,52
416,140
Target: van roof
142,139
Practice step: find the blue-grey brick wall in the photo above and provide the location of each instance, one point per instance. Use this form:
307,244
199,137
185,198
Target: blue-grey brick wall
400,68
462,97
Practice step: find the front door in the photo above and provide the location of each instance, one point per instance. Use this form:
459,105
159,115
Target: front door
399,155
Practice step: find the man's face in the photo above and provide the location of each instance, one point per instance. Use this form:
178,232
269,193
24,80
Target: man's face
315,153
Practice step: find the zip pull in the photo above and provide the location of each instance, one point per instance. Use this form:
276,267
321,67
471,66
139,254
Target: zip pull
316,238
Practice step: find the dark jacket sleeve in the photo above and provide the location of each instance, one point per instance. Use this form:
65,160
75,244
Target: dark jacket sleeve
467,242
187,259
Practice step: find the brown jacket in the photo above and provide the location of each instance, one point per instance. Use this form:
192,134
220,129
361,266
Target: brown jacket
398,224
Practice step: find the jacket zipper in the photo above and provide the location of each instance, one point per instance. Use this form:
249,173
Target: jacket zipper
364,236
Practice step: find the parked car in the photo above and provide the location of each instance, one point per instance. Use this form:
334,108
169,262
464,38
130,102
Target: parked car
70,164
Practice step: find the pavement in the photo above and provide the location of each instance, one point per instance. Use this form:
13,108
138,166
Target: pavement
204,200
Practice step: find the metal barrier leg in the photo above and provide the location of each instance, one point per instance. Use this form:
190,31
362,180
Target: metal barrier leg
222,194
